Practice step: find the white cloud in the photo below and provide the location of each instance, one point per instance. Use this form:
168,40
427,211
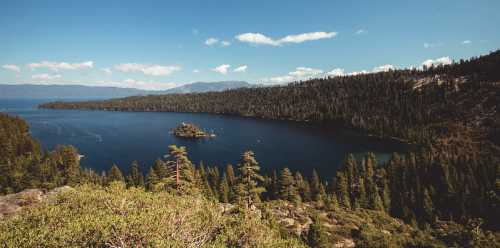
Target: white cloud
151,70
107,71
57,66
360,31
211,41
354,73
225,43
465,42
222,69
44,77
383,68
242,68
304,72
260,39
279,80
436,62
336,72
256,38
12,68
433,45
300,73
196,71
299,38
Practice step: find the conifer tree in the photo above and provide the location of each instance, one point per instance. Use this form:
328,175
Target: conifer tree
247,190
315,184
231,177
274,187
303,187
317,236
160,169
151,179
135,177
224,192
187,176
115,174
288,189
342,190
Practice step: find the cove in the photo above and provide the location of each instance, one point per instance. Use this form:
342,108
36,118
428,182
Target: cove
106,137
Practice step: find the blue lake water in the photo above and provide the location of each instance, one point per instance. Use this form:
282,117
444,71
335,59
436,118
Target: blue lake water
105,138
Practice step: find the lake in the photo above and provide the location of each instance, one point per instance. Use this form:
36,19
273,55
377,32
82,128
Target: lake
105,138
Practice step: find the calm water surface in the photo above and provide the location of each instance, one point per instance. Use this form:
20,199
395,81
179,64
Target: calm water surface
121,137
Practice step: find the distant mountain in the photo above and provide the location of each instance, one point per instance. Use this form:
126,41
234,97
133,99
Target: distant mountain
200,87
98,92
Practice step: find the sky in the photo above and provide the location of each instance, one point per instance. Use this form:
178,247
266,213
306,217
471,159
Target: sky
163,44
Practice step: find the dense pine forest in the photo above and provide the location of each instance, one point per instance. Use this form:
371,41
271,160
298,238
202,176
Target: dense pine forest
449,187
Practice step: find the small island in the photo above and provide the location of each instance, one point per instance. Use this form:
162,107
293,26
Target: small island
188,130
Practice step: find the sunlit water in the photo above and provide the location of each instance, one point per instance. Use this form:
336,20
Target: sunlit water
105,138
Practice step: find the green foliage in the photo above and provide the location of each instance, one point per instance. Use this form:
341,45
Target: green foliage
23,165
135,177
91,216
288,188
115,174
247,189
317,236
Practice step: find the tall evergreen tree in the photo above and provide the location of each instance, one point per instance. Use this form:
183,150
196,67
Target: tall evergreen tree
115,174
224,192
303,187
135,177
151,179
288,189
247,190
231,176
342,190
187,178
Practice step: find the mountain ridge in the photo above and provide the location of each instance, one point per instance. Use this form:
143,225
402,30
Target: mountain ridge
37,91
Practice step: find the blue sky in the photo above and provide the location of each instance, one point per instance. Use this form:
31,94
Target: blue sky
162,44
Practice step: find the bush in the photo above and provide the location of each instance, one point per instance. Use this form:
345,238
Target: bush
91,216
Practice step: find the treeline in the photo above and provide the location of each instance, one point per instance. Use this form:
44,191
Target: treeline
23,164
416,187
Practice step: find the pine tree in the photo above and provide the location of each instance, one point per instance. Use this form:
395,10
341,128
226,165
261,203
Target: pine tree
351,171
317,236
115,174
231,177
247,190
315,185
160,169
342,190
135,177
303,187
152,179
224,193
275,186
288,189
187,183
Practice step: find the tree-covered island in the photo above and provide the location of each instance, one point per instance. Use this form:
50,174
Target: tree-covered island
189,130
